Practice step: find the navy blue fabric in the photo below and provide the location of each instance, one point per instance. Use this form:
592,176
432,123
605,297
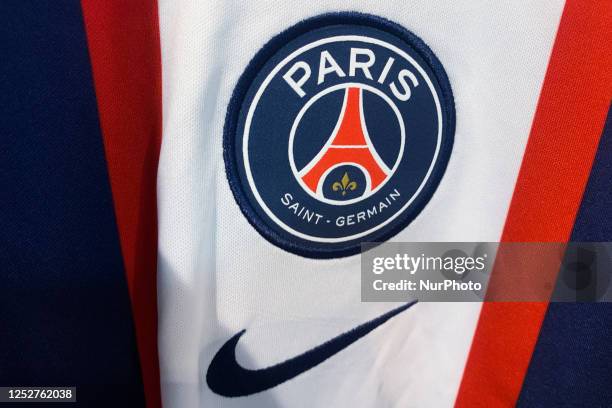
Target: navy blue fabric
572,361
65,315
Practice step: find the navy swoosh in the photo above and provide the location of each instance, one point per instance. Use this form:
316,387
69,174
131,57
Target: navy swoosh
226,377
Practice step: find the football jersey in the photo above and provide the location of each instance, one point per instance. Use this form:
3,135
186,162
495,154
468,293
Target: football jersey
186,187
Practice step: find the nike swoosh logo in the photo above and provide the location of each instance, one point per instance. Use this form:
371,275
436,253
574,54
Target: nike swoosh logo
227,378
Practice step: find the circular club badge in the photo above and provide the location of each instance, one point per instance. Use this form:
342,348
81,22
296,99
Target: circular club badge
338,133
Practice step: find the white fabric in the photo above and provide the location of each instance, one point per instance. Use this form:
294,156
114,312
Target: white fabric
217,275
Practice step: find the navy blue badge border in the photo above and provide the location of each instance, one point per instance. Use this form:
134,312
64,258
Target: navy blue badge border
257,63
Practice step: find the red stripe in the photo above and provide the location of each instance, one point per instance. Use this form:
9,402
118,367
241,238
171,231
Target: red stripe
567,125
123,38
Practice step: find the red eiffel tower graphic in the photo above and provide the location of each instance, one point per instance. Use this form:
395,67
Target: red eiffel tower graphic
348,145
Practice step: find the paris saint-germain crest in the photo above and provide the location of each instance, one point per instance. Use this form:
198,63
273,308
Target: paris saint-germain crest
338,133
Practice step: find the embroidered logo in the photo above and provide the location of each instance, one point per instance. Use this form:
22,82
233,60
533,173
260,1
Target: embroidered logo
338,133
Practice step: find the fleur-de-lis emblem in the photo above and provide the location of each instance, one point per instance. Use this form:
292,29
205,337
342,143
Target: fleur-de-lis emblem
344,184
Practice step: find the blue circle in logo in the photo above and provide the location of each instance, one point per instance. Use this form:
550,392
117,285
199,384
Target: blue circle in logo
338,133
